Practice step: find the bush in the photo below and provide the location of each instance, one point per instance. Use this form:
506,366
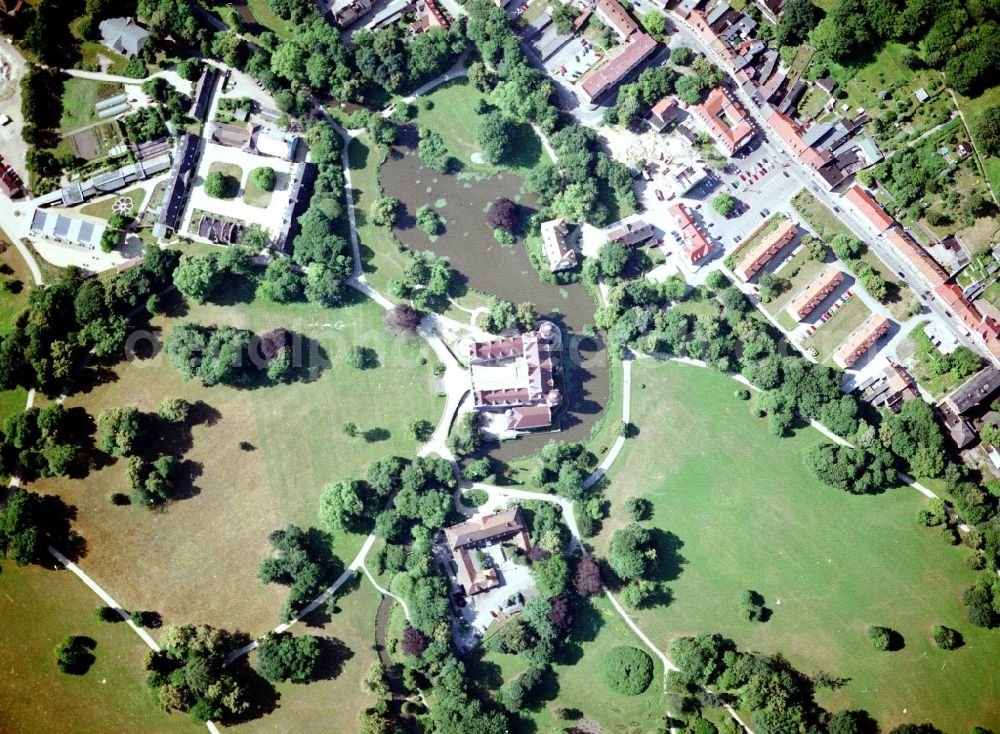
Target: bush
217,185
881,637
384,211
135,69
946,638
627,670
264,177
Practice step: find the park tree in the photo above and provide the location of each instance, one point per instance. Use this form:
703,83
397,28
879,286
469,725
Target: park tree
946,638
627,670
682,55
630,553
73,654
120,430
551,575
264,177
494,137
341,507
174,410
852,722
654,23
881,637
797,20
724,204
613,258
414,642
198,277
384,211
283,656
433,152
402,319
281,282
503,214
217,185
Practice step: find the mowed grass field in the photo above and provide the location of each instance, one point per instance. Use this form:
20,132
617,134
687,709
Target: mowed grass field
748,514
195,560
11,304
578,682
332,703
38,608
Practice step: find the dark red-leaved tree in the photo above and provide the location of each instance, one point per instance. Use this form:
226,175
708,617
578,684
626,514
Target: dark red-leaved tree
414,641
273,341
403,319
561,613
503,214
588,577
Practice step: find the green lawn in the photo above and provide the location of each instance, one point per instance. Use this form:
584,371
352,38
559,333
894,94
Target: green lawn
972,108
309,708
262,12
925,353
382,259
196,560
254,195
103,208
79,98
38,608
828,336
11,304
578,682
232,175
746,513
453,115
805,269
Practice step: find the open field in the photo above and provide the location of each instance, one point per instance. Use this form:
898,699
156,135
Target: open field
79,98
262,12
103,208
196,559
578,682
829,335
382,259
331,704
748,514
453,115
38,608
972,108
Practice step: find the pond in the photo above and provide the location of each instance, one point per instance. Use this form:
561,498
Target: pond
482,264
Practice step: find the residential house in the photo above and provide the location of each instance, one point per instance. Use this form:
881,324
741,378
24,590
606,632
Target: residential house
607,77
768,247
479,532
817,290
726,120
558,253
510,373
860,341
632,233
663,113
123,36
697,246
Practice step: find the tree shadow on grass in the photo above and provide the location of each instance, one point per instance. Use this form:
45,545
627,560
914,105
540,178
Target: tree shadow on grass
261,694
334,653
175,305
587,624
669,561
234,291
184,480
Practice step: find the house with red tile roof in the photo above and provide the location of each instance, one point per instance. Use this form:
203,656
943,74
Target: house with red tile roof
864,203
617,18
817,290
861,340
480,532
726,120
767,248
696,245
604,78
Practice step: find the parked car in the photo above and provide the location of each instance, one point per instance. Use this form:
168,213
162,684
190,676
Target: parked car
766,212
659,194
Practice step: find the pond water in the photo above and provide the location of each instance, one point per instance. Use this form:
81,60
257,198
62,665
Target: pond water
482,264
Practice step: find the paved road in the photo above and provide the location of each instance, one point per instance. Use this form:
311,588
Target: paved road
785,154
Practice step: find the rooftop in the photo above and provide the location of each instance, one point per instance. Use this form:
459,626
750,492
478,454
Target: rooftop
869,209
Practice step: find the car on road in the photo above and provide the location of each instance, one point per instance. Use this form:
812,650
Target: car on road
784,173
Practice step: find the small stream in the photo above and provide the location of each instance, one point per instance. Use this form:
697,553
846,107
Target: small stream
482,264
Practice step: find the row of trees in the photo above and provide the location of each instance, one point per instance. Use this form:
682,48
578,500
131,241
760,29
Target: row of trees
62,322
952,36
